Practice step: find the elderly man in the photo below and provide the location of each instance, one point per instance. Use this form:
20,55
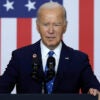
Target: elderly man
49,66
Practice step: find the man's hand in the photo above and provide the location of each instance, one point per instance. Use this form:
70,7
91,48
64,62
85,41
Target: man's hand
93,92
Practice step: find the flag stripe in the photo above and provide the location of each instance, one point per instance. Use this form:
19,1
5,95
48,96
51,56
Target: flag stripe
24,31
8,39
97,38
71,37
86,29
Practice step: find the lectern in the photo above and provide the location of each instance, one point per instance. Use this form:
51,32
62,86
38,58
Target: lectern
47,97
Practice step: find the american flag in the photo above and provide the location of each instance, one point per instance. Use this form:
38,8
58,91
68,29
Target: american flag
18,27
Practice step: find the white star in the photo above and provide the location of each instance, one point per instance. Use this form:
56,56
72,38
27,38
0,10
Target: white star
9,5
30,5
51,0
67,58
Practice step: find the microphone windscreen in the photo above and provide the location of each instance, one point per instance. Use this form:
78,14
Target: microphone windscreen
51,68
51,62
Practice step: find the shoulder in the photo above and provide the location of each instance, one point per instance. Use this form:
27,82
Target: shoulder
78,58
79,55
76,54
27,49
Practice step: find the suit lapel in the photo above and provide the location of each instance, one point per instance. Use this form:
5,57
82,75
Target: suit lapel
64,62
37,51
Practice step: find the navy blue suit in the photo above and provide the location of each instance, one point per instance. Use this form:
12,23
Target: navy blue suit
74,72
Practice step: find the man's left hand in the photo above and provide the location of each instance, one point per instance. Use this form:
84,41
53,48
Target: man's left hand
93,91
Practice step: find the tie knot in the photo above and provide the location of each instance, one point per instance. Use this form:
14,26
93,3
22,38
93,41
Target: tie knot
50,53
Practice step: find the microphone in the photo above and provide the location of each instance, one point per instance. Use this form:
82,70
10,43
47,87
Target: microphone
36,74
35,68
51,68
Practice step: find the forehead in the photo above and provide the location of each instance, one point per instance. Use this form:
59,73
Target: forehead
51,15
51,12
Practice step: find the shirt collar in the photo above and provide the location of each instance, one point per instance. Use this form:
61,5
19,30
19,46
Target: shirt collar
45,50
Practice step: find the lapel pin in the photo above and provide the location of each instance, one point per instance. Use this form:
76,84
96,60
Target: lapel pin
34,55
67,58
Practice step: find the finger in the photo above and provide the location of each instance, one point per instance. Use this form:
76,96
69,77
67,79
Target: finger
93,92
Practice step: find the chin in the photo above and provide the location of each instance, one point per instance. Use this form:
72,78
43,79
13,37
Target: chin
52,46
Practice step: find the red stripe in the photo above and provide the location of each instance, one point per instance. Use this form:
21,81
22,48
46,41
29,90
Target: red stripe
0,46
24,31
86,29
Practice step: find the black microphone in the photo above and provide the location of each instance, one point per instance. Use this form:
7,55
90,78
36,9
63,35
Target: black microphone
36,74
35,68
51,68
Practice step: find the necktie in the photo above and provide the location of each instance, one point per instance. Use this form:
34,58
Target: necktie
49,72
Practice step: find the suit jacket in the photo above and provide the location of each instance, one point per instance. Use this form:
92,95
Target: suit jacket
74,72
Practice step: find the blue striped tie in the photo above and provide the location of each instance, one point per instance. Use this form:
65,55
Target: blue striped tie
49,84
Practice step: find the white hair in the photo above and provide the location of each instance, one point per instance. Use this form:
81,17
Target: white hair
51,5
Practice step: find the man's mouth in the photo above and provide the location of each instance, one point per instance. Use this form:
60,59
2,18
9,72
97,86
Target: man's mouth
51,38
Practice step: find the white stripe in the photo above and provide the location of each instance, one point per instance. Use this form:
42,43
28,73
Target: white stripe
97,39
8,40
35,33
71,37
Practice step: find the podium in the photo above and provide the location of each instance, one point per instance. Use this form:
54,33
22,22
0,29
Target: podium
47,97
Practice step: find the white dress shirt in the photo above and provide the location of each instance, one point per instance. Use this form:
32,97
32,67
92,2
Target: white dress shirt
44,52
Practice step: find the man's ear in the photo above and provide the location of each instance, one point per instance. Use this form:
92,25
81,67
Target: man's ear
65,26
37,25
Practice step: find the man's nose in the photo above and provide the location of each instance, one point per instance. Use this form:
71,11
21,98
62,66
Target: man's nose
51,29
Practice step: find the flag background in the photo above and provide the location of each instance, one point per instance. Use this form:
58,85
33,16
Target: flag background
83,30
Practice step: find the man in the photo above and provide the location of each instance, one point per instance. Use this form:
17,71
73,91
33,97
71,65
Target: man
27,66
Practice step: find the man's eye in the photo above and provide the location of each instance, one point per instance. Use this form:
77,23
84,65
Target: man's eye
45,24
57,25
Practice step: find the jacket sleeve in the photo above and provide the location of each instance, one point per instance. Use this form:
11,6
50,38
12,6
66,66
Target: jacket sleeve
9,77
89,79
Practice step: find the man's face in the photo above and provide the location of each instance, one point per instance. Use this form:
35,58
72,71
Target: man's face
51,26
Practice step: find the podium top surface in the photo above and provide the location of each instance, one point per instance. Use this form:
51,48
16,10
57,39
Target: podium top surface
47,97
